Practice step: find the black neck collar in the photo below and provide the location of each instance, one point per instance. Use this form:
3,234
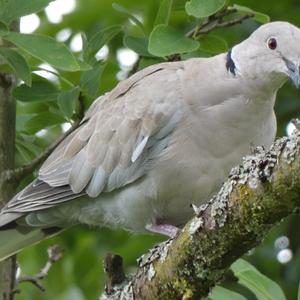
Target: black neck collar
230,66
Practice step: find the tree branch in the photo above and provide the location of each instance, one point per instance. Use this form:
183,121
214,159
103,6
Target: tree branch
7,161
213,22
217,22
55,253
214,25
113,266
257,195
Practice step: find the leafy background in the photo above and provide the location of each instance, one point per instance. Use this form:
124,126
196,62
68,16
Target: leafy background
53,105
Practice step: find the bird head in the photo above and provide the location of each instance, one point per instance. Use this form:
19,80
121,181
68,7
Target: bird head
271,54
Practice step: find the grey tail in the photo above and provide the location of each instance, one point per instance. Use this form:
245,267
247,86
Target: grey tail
13,240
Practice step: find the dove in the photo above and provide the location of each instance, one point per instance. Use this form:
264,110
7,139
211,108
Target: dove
161,141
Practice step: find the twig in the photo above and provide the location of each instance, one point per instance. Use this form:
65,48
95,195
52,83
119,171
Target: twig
174,57
212,23
224,13
211,20
225,24
113,266
80,114
217,22
55,253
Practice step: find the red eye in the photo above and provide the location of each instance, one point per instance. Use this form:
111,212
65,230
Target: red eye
272,43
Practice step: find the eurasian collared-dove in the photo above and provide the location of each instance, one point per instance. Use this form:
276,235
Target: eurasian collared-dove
162,140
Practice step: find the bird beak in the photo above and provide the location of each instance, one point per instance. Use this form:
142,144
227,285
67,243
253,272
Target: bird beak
293,72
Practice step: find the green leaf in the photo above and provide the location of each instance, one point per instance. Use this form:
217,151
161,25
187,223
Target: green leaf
165,40
179,5
28,138
148,61
21,120
138,45
23,153
84,66
67,101
42,121
298,295
3,29
18,63
84,39
220,293
27,142
213,44
204,8
99,39
41,90
263,287
46,49
90,80
14,9
164,12
128,13
258,17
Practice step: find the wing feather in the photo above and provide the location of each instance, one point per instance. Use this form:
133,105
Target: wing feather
119,138
139,149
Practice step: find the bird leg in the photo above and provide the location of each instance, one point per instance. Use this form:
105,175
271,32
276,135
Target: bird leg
165,229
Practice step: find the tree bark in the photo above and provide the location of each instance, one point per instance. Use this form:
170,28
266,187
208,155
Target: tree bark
7,161
257,195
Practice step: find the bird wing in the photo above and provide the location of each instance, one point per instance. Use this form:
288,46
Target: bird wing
117,142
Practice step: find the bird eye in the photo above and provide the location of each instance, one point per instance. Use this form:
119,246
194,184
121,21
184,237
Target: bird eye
272,43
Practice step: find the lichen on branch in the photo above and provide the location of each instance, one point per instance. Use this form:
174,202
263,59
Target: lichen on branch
260,192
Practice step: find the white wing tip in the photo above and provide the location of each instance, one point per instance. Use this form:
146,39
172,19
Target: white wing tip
139,149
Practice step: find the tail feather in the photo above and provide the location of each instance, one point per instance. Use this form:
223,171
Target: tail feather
13,240
5,219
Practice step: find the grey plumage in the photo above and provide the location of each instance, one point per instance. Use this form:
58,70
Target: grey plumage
162,140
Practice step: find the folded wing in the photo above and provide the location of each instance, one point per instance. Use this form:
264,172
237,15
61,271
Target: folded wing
117,142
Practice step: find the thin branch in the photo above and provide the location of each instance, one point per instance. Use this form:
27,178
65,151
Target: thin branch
55,253
228,23
213,22
81,110
217,22
225,13
257,195
113,266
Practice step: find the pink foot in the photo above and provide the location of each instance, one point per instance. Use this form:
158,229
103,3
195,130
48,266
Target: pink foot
165,229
